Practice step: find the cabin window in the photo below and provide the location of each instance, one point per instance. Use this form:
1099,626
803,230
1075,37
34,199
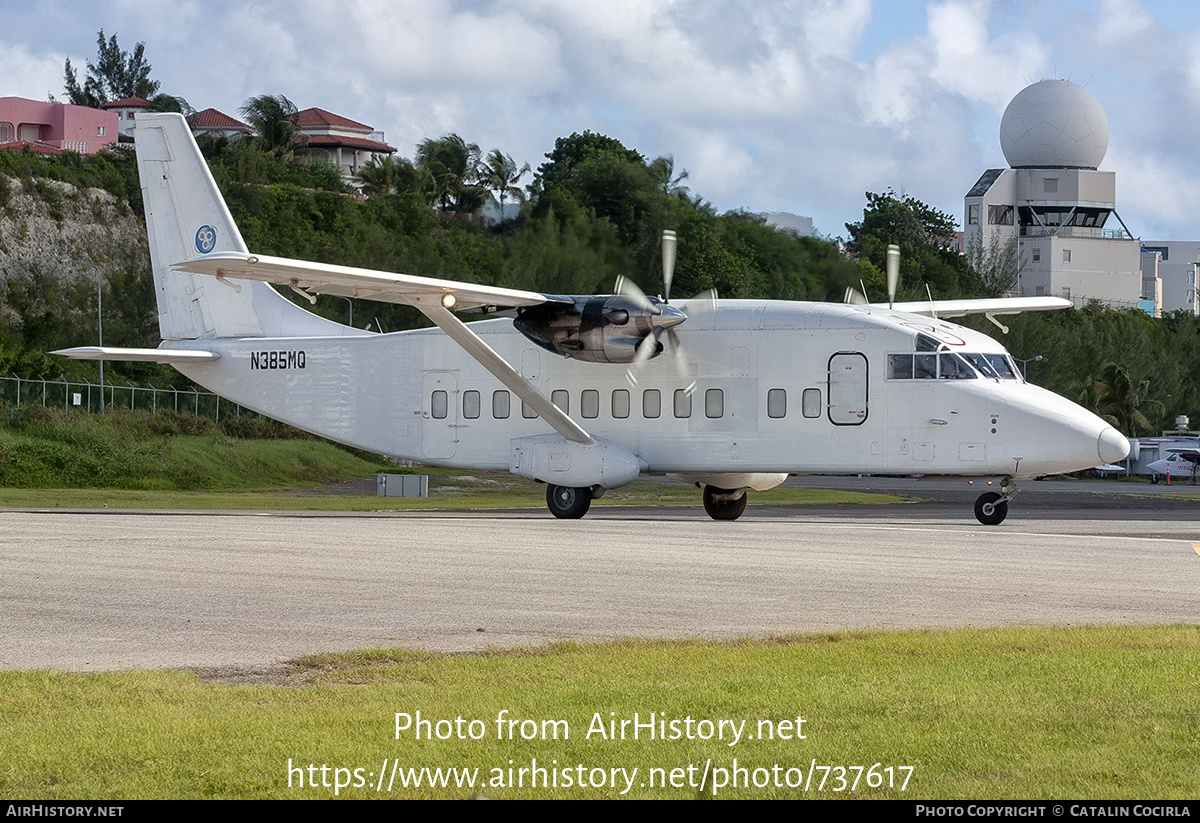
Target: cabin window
651,403
527,411
810,403
438,405
562,399
620,403
500,405
776,403
470,404
714,403
589,403
683,403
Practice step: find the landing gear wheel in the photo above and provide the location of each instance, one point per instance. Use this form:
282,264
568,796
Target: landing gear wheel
720,505
1154,478
991,509
567,502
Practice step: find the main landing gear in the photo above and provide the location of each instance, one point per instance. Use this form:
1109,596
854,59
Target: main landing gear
724,504
991,508
568,502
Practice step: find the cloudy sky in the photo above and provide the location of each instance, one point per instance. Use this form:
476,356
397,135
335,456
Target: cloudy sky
772,105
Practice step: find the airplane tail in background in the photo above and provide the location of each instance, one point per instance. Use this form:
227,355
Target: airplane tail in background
186,219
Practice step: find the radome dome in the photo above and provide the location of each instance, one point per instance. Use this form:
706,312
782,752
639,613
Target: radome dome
1054,124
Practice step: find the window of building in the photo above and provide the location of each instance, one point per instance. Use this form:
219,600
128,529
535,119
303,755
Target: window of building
470,405
620,404
562,399
973,214
1037,255
810,403
438,404
1000,215
99,131
500,405
1050,185
651,403
1066,255
776,403
714,403
589,403
683,403
8,133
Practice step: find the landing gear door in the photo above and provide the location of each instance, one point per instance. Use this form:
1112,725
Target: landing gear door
848,389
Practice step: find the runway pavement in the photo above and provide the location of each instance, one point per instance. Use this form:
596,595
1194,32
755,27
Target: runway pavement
95,591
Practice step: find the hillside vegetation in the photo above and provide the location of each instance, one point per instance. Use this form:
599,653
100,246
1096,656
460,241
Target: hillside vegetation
594,210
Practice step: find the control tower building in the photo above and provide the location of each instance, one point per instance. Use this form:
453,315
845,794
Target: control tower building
1054,204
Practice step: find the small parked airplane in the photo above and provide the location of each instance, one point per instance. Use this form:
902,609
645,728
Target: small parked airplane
572,392
1178,465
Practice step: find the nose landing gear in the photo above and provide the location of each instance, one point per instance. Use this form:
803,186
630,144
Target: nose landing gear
991,508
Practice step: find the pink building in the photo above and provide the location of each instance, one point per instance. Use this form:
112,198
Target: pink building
56,125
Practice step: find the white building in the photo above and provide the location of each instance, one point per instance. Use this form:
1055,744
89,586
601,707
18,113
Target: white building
1054,203
1179,268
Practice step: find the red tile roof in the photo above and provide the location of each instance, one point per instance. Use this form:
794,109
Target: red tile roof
322,141
319,117
127,103
213,119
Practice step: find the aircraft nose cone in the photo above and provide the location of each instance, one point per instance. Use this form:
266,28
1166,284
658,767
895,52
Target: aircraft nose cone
1112,446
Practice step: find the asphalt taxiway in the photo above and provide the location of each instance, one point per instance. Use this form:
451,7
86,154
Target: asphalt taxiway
97,591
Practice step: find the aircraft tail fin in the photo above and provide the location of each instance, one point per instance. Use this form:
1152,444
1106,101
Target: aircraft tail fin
186,218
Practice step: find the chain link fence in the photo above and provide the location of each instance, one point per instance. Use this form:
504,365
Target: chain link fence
88,397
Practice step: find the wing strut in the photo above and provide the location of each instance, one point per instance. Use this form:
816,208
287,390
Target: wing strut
461,334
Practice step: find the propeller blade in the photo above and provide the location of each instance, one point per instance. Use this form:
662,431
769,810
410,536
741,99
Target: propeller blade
669,239
893,272
855,297
702,303
681,362
645,351
628,288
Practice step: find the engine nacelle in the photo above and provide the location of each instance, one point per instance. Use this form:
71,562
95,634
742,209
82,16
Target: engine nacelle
551,459
599,329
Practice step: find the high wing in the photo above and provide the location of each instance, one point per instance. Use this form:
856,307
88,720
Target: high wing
311,279
995,305
433,297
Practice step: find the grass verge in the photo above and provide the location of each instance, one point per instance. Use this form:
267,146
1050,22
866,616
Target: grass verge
1100,712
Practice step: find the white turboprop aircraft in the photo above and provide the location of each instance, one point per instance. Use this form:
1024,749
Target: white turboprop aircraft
571,393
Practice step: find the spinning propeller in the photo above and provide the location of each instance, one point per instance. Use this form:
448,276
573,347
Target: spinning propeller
666,317
859,298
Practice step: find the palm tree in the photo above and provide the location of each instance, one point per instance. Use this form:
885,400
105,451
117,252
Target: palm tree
453,167
1119,401
500,174
274,119
663,171
390,175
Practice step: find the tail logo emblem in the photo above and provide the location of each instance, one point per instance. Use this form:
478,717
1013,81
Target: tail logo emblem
206,239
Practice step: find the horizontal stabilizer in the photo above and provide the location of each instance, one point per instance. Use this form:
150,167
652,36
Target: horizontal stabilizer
995,305
346,281
138,355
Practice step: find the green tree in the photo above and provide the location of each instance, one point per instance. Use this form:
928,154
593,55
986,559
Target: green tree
388,175
501,175
116,75
452,166
276,130
1120,401
923,234
663,170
